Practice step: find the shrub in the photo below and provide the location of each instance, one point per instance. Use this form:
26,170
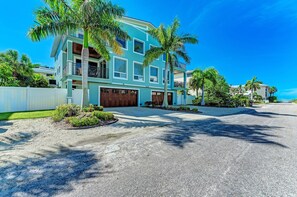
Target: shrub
98,108
90,108
272,99
66,110
195,110
196,101
184,108
83,121
105,116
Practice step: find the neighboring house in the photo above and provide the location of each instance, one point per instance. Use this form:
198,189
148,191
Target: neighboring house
48,72
122,81
179,80
263,91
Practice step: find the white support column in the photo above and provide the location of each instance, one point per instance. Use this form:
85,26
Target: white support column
185,87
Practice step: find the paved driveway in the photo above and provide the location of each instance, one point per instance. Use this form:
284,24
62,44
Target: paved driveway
161,153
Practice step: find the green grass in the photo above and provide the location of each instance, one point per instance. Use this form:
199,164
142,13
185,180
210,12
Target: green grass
25,115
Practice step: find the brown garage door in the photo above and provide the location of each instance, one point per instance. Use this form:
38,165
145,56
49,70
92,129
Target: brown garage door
110,97
158,97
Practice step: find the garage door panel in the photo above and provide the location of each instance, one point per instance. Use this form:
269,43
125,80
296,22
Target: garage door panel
112,97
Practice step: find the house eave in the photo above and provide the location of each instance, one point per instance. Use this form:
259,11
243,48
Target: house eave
55,46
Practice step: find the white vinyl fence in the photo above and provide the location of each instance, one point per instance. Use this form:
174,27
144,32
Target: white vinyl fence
29,99
181,100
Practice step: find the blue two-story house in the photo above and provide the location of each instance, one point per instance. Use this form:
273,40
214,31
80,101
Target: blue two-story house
122,81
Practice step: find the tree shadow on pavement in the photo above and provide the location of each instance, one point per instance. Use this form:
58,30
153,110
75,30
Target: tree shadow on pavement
10,141
268,114
4,124
181,134
48,175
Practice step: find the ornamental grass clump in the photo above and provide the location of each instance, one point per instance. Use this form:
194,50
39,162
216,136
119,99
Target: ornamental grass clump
66,110
104,116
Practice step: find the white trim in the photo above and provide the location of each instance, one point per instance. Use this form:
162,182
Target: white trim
143,72
151,45
157,75
136,39
99,92
135,26
127,65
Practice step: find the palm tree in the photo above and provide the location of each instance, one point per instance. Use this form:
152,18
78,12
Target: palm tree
272,90
200,77
172,45
253,85
96,18
195,84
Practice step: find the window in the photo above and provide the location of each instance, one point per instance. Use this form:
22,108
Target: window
168,76
77,68
138,72
122,42
93,69
80,35
138,46
164,57
120,68
154,74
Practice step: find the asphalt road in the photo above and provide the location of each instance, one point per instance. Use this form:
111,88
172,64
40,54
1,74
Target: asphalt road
251,154
248,154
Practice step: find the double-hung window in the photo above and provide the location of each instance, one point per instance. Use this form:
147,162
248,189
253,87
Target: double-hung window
138,47
154,72
120,68
138,74
122,42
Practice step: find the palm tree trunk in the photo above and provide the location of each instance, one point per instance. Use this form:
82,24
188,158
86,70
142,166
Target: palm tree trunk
252,95
203,102
165,101
85,68
197,95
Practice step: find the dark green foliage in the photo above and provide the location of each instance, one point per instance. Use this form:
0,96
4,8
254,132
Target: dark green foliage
17,70
66,110
195,110
272,99
98,108
184,108
83,121
104,116
38,81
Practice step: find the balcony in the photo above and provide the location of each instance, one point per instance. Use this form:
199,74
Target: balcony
95,71
179,84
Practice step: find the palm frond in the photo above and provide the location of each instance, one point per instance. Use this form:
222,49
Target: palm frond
152,54
184,56
99,46
189,39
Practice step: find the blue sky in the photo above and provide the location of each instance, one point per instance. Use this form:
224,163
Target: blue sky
241,38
